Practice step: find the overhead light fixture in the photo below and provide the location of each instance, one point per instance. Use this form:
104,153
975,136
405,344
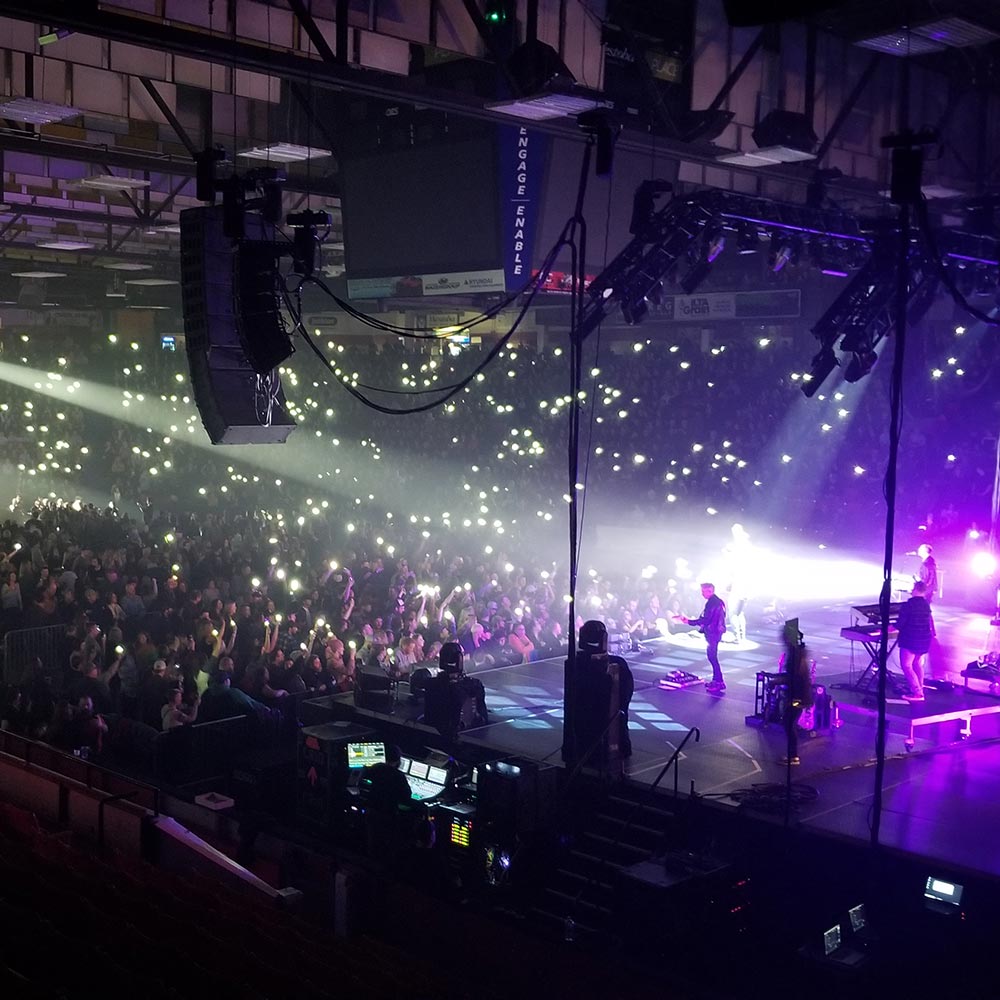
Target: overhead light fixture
151,282
926,39
785,136
38,274
781,137
65,245
127,265
31,112
747,159
543,107
900,43
285,152
546,87
111,182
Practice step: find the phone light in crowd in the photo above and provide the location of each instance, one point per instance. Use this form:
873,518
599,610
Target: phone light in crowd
320,622
648,572
255,582
352,644
984,564
169,538
280,574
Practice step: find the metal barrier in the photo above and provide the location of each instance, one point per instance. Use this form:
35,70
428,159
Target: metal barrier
22,646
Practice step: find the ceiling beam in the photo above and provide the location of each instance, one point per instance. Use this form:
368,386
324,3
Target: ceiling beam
128,159
217,47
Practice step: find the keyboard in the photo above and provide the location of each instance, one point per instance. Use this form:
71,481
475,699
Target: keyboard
866,633
873,612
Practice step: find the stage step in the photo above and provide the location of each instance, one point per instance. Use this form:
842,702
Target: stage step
575,902
642,805
623,820
580,877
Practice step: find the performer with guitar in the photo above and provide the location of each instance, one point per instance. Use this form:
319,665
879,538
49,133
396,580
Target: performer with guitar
712,622
797,678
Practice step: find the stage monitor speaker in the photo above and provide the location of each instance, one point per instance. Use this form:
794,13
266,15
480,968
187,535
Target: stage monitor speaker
238,405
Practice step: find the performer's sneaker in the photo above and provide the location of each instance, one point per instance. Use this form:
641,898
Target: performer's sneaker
793,761
914,697
715,687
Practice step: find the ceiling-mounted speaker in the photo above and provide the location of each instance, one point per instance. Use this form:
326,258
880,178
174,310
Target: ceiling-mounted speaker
238,404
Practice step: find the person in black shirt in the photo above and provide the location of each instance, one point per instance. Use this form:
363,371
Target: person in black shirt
796,676
712,622
388,794
916,629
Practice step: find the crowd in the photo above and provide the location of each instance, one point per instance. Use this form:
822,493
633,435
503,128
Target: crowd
185,618
192,582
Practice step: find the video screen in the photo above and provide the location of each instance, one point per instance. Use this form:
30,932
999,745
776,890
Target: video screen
858,918
831,940
438,775
418,769
945,892
404,764
365,754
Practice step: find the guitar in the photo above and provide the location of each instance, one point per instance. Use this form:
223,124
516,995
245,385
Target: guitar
807,720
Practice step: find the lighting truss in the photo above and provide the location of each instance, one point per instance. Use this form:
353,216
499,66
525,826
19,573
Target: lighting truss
664,240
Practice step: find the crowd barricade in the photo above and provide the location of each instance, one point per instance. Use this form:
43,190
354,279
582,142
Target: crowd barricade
22,646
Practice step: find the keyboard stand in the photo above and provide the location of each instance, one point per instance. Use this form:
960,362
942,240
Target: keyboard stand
869,676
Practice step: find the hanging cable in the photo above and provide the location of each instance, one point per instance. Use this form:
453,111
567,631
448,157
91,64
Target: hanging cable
404,331
577,236
448,391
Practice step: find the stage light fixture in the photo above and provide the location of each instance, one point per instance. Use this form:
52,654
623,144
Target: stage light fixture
695,276
716,244
779,255
822,365
860,365
747,241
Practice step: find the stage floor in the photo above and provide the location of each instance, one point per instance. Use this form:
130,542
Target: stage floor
941,799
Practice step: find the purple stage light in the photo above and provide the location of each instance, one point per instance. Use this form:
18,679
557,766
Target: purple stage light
984,564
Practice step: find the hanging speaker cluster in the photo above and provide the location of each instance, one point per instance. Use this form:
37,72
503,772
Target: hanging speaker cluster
233,331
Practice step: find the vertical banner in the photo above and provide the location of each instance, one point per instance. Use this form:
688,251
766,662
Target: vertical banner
522,169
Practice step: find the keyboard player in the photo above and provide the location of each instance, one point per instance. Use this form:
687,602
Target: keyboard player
916,629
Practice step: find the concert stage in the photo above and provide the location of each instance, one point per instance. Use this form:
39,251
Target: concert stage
941,798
